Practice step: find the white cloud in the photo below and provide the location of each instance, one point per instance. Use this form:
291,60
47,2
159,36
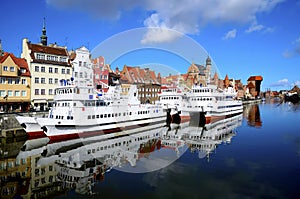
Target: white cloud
281,83
296,83
294,51
186,16
230,34
254,27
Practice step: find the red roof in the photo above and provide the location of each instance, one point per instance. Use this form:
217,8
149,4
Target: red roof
255,78
52,50
20,62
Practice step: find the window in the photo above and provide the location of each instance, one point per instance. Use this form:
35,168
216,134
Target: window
68,71
50,70
17,81
10,93
63,59
23,93
36,80
40,56
63,71
50,81
17,93
55,81
43,81
76,74
2,80
36,92
5,68
9,80
12,69
50,91
55,70
36,68
2,93
80,75
43,92
80,63
43,69
23,81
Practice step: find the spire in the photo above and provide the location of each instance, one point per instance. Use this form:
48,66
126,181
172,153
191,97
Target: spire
1,51
44,36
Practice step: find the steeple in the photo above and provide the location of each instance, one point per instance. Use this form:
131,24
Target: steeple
1,51
44,36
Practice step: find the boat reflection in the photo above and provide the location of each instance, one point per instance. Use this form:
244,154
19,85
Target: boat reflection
44,169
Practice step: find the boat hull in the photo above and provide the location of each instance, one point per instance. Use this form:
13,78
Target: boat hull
31,127
58,133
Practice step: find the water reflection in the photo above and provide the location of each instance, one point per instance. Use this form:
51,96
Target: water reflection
44,169
252,114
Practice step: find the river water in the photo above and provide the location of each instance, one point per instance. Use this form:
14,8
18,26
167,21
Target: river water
253,155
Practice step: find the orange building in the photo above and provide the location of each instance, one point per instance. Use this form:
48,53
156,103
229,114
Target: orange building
14,83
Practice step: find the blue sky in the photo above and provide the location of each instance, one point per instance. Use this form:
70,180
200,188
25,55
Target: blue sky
243,38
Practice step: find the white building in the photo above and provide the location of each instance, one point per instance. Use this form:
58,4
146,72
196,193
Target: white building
82,67
48,65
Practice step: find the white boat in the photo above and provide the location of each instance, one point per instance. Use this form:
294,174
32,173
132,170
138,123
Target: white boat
209,104
31,127
173,99
80,112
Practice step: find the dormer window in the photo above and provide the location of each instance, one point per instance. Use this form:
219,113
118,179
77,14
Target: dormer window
40,56
23,70
12,69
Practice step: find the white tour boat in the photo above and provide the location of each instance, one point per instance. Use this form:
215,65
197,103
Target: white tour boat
173,99
31,127
80,112
209,103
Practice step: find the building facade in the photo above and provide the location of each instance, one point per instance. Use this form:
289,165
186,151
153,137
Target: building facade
198,74
82,67
253,85
15,83
48,64
145,79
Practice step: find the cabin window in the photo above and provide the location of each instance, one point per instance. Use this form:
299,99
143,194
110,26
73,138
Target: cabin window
108,115
97,116
101,116
89,117
93,116
105,115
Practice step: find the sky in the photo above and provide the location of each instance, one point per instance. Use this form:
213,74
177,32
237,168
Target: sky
243,38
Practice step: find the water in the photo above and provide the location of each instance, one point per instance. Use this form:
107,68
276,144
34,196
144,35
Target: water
256,156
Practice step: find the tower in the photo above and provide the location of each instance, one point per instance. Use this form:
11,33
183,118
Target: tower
44,36
207,70
1,51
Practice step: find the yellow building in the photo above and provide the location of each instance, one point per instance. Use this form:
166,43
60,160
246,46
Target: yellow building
14,83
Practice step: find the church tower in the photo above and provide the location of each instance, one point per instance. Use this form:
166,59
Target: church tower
207,70
44,36
1,50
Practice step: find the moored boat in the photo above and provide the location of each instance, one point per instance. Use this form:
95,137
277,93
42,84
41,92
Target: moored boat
209,104
81,112
173,99
31,127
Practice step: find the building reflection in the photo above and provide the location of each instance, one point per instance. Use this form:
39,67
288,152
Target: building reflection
252,115
41,169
